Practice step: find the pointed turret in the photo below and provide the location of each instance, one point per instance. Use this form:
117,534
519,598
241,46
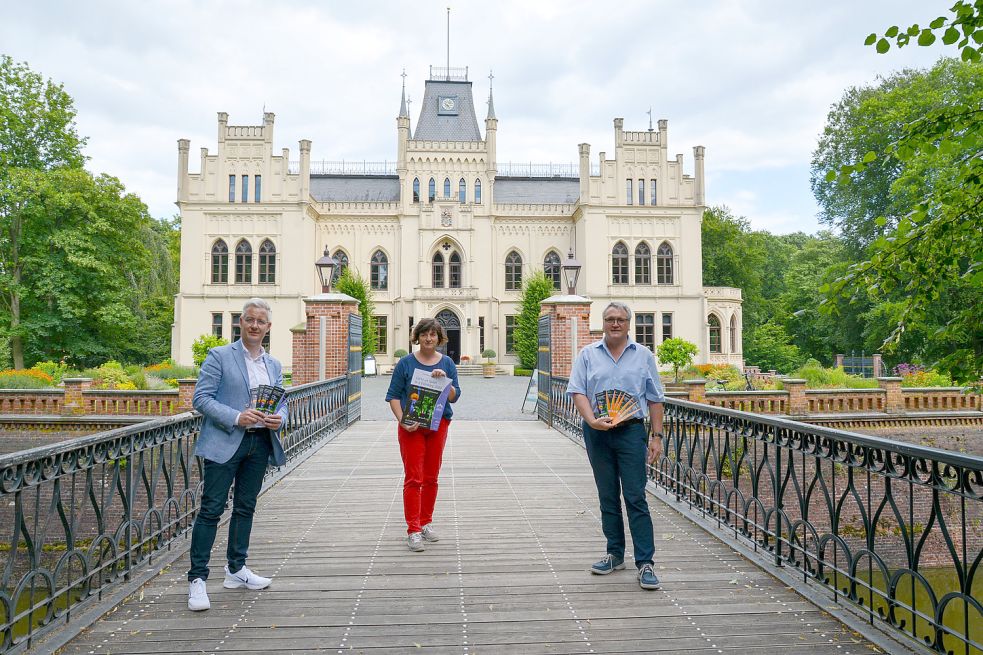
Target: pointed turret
403,112
491,100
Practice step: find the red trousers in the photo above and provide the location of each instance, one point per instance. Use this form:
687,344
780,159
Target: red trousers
422,451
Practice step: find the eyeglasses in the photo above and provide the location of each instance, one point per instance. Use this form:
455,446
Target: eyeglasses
616,321
249,320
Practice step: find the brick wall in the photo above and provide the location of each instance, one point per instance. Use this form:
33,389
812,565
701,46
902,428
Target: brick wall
335,308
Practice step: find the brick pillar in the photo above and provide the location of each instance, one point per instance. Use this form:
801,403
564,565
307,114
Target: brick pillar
796,389
878,365
894,401
185,394
74,389
839,361
696,390
308,349
566,340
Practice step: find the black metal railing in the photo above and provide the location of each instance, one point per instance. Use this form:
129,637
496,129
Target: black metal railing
78,517
889,529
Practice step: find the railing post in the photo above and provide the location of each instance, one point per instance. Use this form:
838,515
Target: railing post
797,405
75,388
185,394
696,390
894,398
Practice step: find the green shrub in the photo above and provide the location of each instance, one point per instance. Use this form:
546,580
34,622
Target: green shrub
110,375
400,353
170,371
56,370
6,359
489,355
926,379
522,372
819,377
25,379
204,343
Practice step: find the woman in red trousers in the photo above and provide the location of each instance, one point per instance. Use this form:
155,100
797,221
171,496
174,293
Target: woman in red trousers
422,449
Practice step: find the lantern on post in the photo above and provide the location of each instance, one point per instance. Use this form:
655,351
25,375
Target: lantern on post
325,270
571,271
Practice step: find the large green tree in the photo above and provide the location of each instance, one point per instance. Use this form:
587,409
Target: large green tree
37,133
535,289
924,246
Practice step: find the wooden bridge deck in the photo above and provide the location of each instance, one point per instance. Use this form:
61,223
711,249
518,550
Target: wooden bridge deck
519,526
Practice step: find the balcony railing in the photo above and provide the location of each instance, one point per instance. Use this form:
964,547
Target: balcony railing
504,169
81,518
891,530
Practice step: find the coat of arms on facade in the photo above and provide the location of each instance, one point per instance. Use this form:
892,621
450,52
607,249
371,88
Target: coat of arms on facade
445,218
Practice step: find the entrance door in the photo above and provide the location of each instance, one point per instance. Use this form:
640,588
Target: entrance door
452,326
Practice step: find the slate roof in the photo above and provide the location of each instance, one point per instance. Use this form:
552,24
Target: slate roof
353,188
462,127
534,190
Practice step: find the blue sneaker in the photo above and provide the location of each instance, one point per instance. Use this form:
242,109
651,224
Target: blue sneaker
647,579
607,564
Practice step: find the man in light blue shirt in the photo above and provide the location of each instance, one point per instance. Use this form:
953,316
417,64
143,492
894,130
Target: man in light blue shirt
620,450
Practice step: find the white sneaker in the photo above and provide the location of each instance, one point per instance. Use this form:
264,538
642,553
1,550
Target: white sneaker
429,533
198,596
245,578
415,541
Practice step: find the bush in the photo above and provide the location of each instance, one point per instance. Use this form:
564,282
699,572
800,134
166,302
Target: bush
522,372
489,355
25,379
110,375
204,343
6,359
926,379
819,377
170,371
400,353
56,370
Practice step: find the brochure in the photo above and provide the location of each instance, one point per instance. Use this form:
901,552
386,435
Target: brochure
427,397
268,398
617,404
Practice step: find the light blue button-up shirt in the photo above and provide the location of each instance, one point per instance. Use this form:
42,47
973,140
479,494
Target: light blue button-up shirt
595,370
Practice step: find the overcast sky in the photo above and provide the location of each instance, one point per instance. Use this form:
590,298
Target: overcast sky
750,80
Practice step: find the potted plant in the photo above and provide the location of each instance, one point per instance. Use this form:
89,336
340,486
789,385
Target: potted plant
399,354
465,360
488,368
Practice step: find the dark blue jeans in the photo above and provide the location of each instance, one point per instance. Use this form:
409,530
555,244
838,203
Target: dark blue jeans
246,468
617,457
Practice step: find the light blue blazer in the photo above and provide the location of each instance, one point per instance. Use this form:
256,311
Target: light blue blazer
221,393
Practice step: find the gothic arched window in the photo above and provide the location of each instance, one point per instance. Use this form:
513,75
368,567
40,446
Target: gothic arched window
416,189
455,270
733,334
462,191
267,262
551,267
643,264
220,263
714,323
513,271
432,191
342,259
447,187
477,192
244,263
619,264
379,276
437,269
663,264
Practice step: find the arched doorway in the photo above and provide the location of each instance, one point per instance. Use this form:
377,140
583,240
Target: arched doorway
452,326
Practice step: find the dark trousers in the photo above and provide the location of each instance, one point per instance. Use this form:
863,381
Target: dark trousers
246,468
617,458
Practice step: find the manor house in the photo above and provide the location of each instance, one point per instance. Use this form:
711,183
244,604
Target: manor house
447,231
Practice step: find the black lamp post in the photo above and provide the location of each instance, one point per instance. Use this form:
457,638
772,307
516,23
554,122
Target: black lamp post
325,270
571,271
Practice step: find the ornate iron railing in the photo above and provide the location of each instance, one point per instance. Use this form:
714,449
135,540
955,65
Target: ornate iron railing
889,529
77,518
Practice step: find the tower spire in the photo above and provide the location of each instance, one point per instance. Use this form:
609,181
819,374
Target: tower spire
448,44
402,103
491,101
649,112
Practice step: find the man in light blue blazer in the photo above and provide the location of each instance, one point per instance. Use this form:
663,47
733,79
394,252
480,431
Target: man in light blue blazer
237,443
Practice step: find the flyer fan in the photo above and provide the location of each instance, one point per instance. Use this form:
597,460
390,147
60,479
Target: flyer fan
618,405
